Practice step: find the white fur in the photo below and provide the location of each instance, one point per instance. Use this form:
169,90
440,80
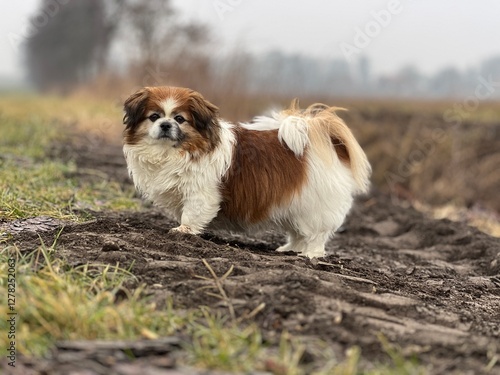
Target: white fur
187,190
264,122
155,130
320,209
190,191
168,106
293,131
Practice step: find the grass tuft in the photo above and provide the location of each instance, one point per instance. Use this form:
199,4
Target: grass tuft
217,345
58,302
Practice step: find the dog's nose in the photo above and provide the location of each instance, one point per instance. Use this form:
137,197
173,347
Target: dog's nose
165,126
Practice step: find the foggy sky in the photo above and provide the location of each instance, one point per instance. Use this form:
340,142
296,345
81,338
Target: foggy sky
428,34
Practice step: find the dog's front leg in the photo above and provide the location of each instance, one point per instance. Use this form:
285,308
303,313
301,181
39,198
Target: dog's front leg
198,211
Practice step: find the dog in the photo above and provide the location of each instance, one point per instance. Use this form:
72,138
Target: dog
296,170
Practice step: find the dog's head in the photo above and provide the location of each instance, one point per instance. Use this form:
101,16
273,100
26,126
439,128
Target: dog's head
173,117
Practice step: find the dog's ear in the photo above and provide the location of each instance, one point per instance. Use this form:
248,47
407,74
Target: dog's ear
135,107
204,113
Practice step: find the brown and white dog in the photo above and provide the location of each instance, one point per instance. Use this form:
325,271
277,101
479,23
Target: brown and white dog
296,170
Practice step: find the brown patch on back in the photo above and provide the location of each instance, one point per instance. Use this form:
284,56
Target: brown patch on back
264,174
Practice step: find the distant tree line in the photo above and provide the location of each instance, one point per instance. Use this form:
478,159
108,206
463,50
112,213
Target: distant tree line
78,40
284,73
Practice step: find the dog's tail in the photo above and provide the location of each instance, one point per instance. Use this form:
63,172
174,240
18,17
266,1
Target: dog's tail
320,128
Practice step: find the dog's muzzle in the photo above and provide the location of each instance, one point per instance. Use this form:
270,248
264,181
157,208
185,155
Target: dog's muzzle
169,130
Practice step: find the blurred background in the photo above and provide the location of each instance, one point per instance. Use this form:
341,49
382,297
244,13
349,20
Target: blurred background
421,79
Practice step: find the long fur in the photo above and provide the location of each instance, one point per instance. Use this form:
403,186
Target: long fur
320,125
297,170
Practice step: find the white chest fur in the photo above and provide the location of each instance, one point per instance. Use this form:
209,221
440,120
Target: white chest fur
186,188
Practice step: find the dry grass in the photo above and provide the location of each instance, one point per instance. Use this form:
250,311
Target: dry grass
85,113
60,302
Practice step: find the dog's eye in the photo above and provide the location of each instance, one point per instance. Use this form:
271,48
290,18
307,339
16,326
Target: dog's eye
179,119
154,117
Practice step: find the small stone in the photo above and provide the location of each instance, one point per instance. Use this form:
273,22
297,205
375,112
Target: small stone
110,246
386,228
410,270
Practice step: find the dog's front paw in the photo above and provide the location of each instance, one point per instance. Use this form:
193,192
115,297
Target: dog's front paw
287,248
312,254
184,229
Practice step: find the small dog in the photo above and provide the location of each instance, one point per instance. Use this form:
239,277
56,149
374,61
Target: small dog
297,170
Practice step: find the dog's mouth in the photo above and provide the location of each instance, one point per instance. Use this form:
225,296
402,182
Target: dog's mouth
177,138
166,135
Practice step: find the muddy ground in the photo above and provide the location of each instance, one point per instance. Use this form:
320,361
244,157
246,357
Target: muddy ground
431,287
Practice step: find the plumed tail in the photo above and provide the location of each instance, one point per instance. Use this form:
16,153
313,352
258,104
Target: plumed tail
324,131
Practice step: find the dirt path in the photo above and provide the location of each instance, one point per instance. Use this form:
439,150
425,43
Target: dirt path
432,287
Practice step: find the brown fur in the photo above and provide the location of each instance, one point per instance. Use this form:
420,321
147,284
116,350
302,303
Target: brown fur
135,110
264,174
195,143
202,115
201,129
341,151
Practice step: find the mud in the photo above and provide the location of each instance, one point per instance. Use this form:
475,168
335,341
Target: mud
430,287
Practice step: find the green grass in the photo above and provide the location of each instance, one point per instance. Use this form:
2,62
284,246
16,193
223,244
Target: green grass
26,139
29,189
36,189
217,344
33,184
59,302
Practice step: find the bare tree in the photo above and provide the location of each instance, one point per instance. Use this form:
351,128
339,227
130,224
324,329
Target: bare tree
72,46
162,42
149,22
